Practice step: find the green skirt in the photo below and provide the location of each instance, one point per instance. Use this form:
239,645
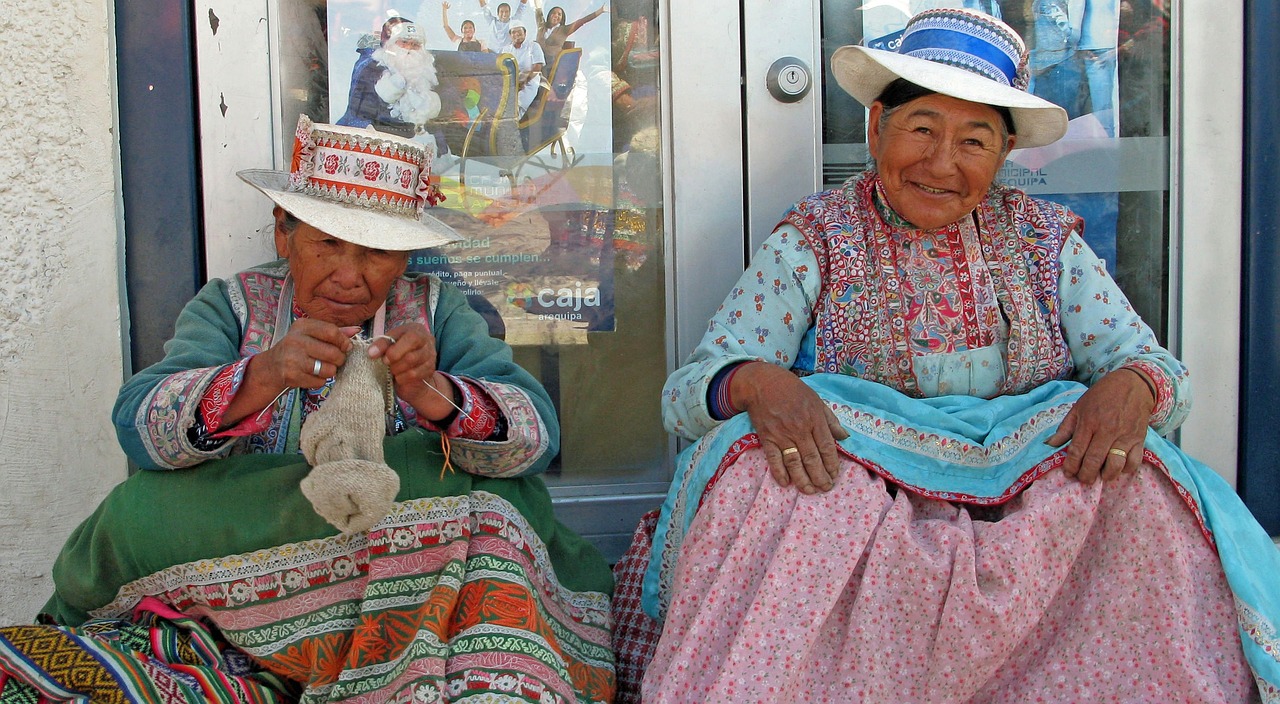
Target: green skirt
469,587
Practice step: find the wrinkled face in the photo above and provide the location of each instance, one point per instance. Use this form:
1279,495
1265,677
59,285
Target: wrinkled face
468,30
334,280
555,17
517,36
937,156
504,12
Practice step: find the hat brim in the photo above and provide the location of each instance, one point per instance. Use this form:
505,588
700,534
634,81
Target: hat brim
864,73
352,222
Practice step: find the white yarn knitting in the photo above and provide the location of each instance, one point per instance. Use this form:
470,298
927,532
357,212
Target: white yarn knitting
350,485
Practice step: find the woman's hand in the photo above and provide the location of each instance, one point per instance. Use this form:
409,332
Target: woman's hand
289,364
797,429
410,354
1112,415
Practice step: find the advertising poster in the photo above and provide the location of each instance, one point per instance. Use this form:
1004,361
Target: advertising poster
515,97
1072,47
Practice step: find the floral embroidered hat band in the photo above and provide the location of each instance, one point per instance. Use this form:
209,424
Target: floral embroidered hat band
368,188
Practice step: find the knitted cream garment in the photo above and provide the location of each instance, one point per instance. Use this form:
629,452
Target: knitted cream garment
349,484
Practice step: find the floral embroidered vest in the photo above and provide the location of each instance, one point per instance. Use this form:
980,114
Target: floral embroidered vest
858,318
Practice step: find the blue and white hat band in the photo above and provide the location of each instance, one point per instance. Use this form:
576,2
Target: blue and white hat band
970,41
959,53
946,46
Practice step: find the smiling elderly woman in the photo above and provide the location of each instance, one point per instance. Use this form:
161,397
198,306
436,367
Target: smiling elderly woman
878,506
459,584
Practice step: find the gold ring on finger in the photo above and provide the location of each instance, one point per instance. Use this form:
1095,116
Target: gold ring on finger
790,451
1118,452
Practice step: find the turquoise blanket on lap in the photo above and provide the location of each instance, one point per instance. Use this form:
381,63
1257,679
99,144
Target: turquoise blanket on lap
984,452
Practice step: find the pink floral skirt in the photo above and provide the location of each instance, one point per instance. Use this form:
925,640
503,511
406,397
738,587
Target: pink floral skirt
1067,593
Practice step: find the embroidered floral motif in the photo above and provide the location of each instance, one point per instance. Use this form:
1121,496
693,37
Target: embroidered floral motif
1259,630
871,316
353,603
909,439
1164,390
168,412
527,436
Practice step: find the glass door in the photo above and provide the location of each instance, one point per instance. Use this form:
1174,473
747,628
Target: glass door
1105,61
1122,69
545,116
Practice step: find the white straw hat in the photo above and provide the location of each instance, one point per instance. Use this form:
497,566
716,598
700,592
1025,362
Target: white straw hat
960,53
368,188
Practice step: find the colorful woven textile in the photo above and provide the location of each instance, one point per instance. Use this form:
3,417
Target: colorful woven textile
469,590
155,655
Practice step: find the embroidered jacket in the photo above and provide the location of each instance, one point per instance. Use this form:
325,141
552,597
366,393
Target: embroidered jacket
997,303
227,321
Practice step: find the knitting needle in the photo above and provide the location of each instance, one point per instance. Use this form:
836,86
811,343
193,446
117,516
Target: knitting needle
428,383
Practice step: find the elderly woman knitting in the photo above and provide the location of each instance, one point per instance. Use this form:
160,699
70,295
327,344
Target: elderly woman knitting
928,463
409,553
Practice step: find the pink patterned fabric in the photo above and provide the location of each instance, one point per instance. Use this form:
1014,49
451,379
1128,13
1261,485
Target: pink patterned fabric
1067,593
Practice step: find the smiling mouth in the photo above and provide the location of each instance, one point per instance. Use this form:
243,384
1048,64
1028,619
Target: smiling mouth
931,190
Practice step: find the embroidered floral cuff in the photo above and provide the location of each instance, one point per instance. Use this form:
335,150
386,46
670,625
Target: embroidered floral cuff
207,433
218,397
1161,386
480,418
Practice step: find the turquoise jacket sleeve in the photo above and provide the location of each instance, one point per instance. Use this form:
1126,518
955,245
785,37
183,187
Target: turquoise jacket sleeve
1105,334
158,405
764,318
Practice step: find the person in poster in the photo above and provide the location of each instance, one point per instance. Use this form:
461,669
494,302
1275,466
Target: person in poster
501,216
393,85
500,23
1073,61
530,59
466,42
554,30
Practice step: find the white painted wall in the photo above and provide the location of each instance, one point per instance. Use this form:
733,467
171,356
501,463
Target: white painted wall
60,330
1208,121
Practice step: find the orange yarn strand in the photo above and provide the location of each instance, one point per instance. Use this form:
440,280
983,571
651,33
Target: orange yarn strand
445,448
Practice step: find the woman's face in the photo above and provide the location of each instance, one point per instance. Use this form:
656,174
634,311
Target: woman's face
334,280
555,17
937,156
468,30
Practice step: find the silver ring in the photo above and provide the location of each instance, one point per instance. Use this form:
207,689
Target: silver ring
315,369
790,451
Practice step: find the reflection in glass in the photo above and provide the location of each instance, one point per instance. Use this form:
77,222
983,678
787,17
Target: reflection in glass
558,194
